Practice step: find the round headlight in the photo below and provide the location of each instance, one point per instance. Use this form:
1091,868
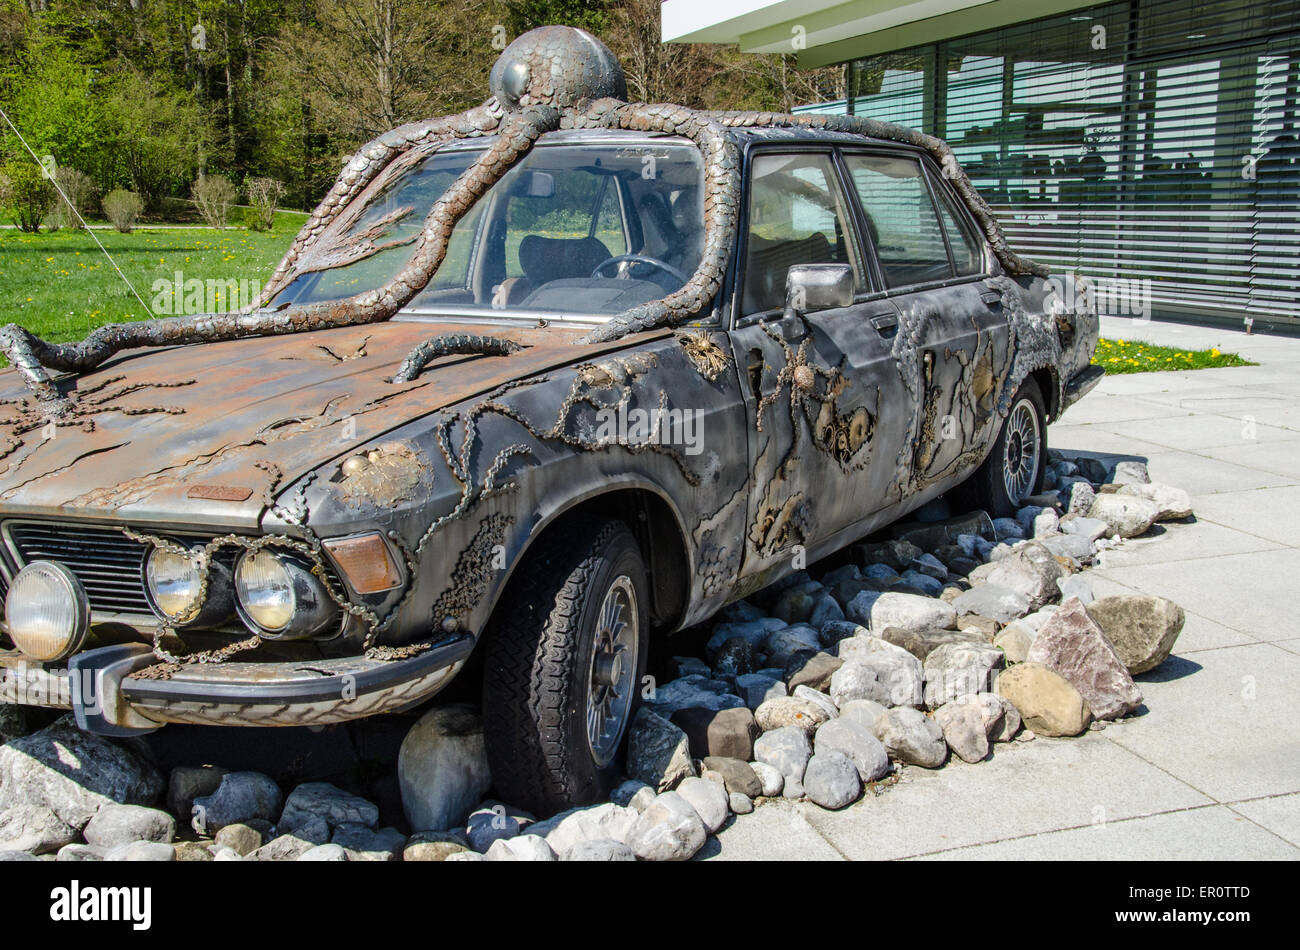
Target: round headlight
265,588
175,583
47,611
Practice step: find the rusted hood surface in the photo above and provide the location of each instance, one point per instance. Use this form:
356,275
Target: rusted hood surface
208,433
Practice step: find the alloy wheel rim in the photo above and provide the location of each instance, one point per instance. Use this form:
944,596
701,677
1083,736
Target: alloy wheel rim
1023,447
613,668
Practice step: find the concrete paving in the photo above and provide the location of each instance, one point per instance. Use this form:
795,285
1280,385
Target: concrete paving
1210,767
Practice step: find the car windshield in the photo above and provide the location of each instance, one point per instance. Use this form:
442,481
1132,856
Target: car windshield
573,230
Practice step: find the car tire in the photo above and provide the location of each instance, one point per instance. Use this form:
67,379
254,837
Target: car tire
565,655
1014,468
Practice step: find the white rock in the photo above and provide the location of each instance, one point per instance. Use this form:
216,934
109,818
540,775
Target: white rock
709,799
520,848
442,768
668,830
771,777
911,612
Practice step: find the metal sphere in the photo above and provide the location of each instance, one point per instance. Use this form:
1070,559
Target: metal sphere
557,66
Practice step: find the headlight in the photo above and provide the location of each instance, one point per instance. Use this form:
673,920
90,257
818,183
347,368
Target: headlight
175,583
281,599
47,611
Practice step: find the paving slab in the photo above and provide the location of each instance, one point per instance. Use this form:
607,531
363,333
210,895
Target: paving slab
1280,814
773,831
1025,788
1175,541
1214,833
1223,721
1272,513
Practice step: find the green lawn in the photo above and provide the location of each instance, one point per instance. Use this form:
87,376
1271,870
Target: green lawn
61,286
1135,356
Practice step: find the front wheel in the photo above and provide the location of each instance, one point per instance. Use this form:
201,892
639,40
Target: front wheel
565,654
1014,469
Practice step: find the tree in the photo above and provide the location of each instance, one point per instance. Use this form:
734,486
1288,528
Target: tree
159,135
26,193
48,95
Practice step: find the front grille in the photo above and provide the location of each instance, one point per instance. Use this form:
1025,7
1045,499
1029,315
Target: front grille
105,560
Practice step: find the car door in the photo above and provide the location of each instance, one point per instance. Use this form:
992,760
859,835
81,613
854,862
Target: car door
953,345
821,388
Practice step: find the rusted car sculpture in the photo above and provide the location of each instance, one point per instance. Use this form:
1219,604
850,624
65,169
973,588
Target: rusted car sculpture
555,376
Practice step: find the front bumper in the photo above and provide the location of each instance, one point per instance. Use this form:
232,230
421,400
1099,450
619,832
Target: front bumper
102,690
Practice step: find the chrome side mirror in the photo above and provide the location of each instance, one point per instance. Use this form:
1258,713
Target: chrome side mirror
813,287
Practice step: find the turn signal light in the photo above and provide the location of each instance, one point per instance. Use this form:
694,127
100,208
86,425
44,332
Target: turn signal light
366,562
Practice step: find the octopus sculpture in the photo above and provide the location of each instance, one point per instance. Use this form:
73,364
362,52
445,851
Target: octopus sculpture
548,79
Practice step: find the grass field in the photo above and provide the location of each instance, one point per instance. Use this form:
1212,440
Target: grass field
61,286
1134,356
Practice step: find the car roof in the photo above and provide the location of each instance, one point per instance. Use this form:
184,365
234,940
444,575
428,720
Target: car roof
744,136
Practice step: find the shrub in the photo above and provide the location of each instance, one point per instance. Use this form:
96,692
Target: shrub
26,194
264,195
80,190
123,208
214,196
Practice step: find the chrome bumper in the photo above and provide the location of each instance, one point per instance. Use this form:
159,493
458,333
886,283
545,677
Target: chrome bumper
100,687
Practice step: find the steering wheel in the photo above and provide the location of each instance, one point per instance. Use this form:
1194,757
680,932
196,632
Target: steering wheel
626,261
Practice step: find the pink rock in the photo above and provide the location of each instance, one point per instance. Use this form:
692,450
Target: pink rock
1072,644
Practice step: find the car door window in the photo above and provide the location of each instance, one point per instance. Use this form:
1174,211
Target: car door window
797,215
966,250
901,219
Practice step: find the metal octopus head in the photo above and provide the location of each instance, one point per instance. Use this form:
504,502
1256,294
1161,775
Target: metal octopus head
557,66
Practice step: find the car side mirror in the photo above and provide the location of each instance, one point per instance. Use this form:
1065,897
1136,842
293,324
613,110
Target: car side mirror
813,287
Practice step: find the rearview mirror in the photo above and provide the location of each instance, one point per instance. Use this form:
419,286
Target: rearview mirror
539,185
813,287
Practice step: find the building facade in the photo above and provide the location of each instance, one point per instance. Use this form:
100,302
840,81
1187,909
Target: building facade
1149,143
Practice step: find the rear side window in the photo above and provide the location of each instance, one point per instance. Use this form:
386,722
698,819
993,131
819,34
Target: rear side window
966,250
797,215
901,219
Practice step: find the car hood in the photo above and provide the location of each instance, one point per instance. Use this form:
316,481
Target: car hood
207,434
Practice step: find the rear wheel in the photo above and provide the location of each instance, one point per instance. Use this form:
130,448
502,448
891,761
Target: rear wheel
1014,469
564,659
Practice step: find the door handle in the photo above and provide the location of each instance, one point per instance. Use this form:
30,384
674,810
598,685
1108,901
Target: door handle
885,324
991,297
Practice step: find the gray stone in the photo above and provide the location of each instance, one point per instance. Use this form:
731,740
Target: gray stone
34,828
737,775
442,768
1045,523
831,780
1142,628
658,753
587,823
116,824
912,737
687,666
1173,504
864,712
291,847
1072,644
709,799
726,732
826,610
1047,702
858,610
141,851
79,852
239,797
668,830
1076,546
74,773
1128,516
364,843
993,601
964,728
626,791
324,852
814,670
1007,528
921,643
882,672
528,847
858,743
754,631
758,688
771,778
929,565
18,856
602,849
1091,528
240,838
818,699
1129,472
323,800
923,582
434,846
959,669
789,711
838,630
734,658
911,612
494,820
689,691
740,804
188,782
1014,641
1001,720
786,749
780,645
1081,496
793,790
1031,570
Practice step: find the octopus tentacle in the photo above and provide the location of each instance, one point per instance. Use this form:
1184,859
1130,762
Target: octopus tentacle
943,154
721,186
32,357
449,344
367,163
